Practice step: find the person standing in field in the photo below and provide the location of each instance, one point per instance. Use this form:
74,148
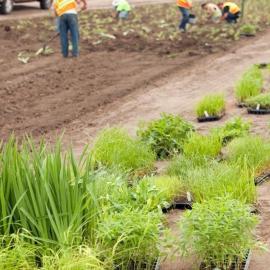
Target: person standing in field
66,11
213,11
230,11
122,9
184,7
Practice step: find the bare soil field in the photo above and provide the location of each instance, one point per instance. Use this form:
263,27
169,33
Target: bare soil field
121,81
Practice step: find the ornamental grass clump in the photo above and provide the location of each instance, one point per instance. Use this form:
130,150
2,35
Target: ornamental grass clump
232,129
250,84
202,147
114,148
252,150
131,238
248,30
220,179
261,101
166,135
211,106
219,232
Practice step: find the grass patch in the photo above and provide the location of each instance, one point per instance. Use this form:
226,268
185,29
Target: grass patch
166,135
261,101
211,105
250,84
114,148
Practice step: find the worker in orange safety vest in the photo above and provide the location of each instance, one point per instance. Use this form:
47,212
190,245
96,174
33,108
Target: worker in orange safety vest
66,11
230,11
184,7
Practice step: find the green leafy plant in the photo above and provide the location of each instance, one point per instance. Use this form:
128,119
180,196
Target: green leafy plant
220,179
249,85
202,147
261,101
134,237
248,29
166,135
114,148
219,232
251,150
234,128
211,105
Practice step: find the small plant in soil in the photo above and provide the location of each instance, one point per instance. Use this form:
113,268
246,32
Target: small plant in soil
219,232
211,106
234,128
250,84
261,101
114,148
248,30
166,135
202,147
253,151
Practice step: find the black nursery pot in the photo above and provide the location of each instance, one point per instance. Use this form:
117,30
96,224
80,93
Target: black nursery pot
180,205
258,111
209,118
235,266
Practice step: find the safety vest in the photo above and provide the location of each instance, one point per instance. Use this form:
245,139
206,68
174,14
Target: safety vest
184,3
233,8
62,6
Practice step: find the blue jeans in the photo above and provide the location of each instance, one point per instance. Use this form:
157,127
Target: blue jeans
123,15
69,23
185,18
232,18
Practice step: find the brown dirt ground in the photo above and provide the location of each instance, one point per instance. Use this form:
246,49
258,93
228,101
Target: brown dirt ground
112,87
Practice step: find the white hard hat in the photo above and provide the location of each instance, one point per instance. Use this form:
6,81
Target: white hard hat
115,2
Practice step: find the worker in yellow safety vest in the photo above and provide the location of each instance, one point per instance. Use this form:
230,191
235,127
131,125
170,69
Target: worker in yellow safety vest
66,11
184,7
230,11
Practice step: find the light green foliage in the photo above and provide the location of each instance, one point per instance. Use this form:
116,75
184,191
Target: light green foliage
202,147
166,135
250,150
234,128
114,148
220,179
263,100
248,29
214,105
170,188
133,235
218,231
249,85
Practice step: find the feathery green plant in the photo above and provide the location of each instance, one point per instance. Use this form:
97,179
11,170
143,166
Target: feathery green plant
212,105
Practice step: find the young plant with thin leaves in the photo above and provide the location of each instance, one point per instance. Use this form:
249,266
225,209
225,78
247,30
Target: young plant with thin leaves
261,101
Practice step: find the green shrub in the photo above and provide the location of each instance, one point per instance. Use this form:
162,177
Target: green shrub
212,105
220,179
250,84
133,236
202,147
251,150
263,100
218,231
234,128
165,135
248,29
114,148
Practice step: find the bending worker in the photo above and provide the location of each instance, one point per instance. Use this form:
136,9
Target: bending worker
184,7
66,11
213,11
230,12
122,9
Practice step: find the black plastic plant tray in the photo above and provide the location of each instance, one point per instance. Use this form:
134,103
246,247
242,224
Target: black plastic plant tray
244,265
209,118
132,266
263,65
241,105
262,178
247,35
178,205
260,111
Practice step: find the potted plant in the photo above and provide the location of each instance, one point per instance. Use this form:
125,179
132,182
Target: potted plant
248,30
219,232
211,108
259,104
249,85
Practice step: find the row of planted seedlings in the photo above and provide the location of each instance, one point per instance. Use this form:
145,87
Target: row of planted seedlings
251,92
104,210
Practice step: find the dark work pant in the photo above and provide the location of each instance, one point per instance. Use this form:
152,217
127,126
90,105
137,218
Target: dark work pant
185,18
232,18
69,23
